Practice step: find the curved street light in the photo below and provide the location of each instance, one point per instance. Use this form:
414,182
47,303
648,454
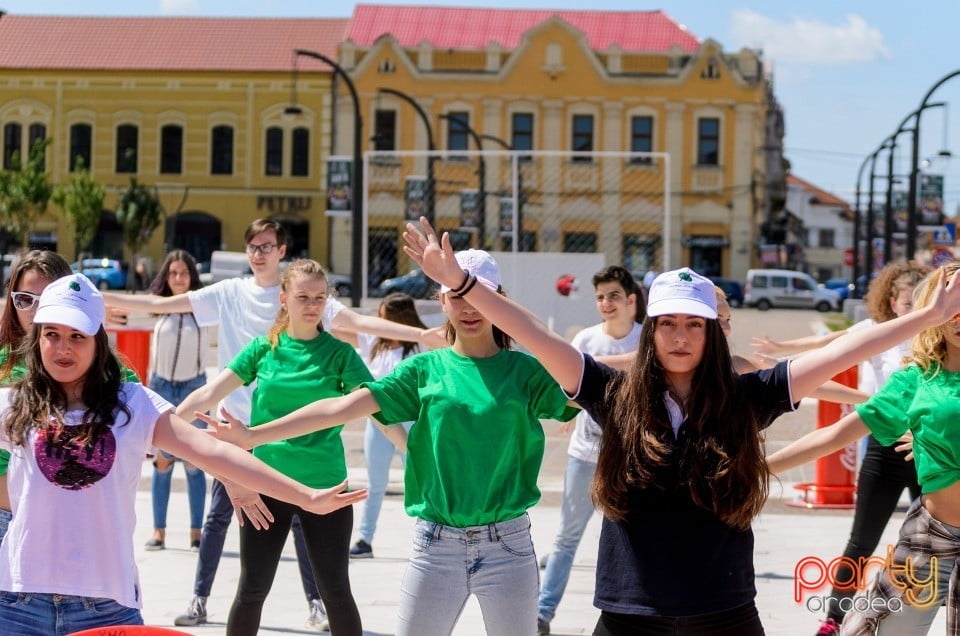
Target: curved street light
356,203
431,157
915,170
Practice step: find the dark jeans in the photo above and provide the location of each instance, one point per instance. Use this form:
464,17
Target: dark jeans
328,544
215,534
883,476
741,621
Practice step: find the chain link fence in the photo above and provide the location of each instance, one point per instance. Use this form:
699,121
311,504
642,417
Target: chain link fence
609,203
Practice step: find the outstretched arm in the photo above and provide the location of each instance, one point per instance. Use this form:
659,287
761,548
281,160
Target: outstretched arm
768,346
177,436
818,443
316,416
349,320
813,369
149,303
435,256
205,398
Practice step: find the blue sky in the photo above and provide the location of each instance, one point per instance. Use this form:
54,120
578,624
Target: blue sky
847,73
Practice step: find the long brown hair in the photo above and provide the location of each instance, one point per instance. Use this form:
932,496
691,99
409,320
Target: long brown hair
398,307
301,267
40,402
160,285
721,464
50,266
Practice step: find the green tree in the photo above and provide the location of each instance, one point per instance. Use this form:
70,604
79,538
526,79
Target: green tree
81,200
139,213
25,192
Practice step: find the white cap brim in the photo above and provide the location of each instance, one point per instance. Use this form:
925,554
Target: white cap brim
480,279
68,317
686,306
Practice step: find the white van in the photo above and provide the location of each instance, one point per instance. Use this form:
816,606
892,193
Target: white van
768,288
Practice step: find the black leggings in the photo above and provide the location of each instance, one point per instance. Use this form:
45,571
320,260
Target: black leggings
883,476
328,544
740,621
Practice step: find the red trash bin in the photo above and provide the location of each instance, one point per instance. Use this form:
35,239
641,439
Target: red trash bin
133,345
835,474
130,630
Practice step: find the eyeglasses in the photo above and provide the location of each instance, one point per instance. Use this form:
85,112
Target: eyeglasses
25,301
263,248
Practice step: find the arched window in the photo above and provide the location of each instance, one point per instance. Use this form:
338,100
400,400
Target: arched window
171,149
12,136
81,137
274,149
127,137
300,160
221,150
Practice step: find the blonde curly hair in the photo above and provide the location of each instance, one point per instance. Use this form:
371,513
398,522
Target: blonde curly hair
928,349
887,285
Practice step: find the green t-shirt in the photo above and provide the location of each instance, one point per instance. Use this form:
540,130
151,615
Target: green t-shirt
476,445
930,408
289,376
16,374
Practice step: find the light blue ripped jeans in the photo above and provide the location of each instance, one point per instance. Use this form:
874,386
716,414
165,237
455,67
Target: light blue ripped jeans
496,563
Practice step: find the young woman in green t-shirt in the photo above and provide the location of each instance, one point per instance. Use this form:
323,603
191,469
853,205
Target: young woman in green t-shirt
473,457
292,365
29,278
921,400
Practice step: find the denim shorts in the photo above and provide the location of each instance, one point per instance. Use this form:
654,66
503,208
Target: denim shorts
29,614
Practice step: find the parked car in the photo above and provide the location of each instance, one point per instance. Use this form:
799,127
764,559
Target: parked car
768,288
414,283
105,273
341,284
732,288
840,285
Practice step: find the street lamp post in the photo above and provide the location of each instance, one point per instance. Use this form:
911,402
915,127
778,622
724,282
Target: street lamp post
356,203
481,177
915,167
431,186
868,257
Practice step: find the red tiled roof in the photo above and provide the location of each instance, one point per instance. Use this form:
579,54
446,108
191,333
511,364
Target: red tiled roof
201,44
475,28
822,196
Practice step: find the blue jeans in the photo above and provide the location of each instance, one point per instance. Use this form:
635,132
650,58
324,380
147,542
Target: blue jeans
496,563
5,518
28,614
215,535
379,454
175,392
575,513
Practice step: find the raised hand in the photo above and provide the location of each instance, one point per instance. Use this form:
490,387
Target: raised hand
946,297
229,429
434,256
326,500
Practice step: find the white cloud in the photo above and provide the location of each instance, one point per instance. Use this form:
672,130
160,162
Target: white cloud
179,7
810,41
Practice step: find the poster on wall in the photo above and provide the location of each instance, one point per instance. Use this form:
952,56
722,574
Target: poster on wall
931,199
339,186
506,215
415,198
469,209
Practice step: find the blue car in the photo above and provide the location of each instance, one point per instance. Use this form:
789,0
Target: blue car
839,285
415,284
105,273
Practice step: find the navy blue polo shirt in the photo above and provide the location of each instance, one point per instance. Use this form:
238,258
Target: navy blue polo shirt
669,556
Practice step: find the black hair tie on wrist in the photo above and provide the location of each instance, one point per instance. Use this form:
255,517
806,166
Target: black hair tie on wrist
466,279
473,281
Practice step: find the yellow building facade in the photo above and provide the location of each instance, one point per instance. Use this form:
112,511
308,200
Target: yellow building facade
703,107
207,127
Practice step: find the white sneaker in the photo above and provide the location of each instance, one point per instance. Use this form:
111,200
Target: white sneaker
318,617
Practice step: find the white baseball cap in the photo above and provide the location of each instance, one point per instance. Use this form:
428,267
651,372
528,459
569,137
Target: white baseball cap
682,291
72,301
480,264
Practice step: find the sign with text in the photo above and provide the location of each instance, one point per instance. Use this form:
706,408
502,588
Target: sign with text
415,198
931,199
470,209
339,186
506,215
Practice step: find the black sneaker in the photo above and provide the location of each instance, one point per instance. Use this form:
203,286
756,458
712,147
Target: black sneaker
543,627
196,613
361,550
154,544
